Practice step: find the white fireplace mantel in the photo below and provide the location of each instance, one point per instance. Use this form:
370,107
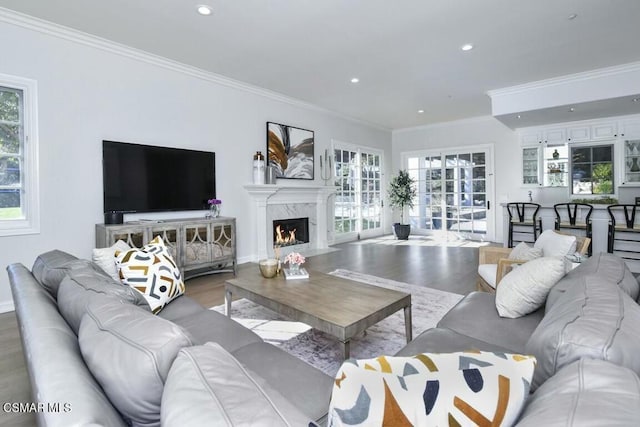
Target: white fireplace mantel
274,194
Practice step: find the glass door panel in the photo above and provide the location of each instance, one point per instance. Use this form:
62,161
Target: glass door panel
358,203
371,211
632,162
556,165
452,193
530,172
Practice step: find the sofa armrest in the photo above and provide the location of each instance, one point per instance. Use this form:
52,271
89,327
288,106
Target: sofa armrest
491,254
57,371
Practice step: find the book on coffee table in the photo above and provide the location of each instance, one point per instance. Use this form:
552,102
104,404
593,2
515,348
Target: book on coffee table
301,273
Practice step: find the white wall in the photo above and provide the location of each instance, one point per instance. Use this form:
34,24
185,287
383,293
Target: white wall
476,131
87,94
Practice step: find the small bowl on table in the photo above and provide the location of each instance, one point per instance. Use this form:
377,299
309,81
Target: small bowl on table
268,267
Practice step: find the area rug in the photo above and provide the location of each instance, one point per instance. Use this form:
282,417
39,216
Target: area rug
324,352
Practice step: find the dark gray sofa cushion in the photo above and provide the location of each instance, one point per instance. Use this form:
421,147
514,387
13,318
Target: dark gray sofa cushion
609,266
588,392
207,386
130,352
593,319
84,283
442,340
209,325
476,316
308,388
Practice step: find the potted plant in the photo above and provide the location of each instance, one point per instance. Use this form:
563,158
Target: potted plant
402,191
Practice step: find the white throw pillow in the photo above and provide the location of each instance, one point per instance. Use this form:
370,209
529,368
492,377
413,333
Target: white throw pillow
106,258
525,288
432,389
554,244
524,252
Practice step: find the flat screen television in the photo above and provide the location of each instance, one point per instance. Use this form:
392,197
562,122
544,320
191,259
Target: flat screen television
147,178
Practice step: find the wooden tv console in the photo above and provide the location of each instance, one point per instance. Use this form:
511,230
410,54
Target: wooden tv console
198,245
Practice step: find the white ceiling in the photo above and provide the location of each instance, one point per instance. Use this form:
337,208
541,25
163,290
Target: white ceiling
405,52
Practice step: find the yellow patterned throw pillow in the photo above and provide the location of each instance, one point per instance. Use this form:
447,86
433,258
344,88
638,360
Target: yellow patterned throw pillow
152,272
444,389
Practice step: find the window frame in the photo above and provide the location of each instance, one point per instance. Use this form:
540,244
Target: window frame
614,165
30,196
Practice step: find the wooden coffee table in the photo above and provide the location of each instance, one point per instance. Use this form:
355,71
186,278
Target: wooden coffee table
339,307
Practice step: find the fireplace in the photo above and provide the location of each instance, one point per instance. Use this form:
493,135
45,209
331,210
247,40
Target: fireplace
291,231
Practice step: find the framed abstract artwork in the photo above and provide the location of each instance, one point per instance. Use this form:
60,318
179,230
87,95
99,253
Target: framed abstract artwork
290,151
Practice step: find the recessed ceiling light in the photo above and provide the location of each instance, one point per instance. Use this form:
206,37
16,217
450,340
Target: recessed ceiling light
571,110
420,111
466,47
205,10
518,116
572,16
355,80
636,99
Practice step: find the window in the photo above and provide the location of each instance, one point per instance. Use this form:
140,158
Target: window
592,169
18,157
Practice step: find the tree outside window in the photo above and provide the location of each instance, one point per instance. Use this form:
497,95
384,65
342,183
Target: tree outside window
10,152
592,170
19,200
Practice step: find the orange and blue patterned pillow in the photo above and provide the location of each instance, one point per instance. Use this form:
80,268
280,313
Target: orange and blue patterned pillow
152,272
446,389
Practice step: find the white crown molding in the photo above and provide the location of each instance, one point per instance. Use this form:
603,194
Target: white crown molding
470,120
569,78
36,24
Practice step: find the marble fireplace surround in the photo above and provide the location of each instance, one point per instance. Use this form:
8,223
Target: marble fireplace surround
286,201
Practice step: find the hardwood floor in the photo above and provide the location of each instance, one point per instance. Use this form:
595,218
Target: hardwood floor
450,269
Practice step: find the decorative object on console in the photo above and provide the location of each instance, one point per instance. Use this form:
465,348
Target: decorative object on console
464,388
152,272
215,206
258,168
113,217
402,192
290,151
268,267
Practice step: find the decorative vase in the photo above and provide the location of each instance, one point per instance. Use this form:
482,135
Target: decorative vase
214,210
555,155
294,268
634,165
402,231
258,168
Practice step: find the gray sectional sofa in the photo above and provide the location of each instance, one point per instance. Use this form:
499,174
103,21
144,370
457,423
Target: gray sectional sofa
91,342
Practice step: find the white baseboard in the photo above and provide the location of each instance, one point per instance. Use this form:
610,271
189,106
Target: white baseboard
245,259
6,306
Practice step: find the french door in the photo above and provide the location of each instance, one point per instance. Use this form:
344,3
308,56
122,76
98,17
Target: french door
455,192
358,201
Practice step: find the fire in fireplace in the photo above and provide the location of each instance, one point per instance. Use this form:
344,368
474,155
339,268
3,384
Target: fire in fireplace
287,232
